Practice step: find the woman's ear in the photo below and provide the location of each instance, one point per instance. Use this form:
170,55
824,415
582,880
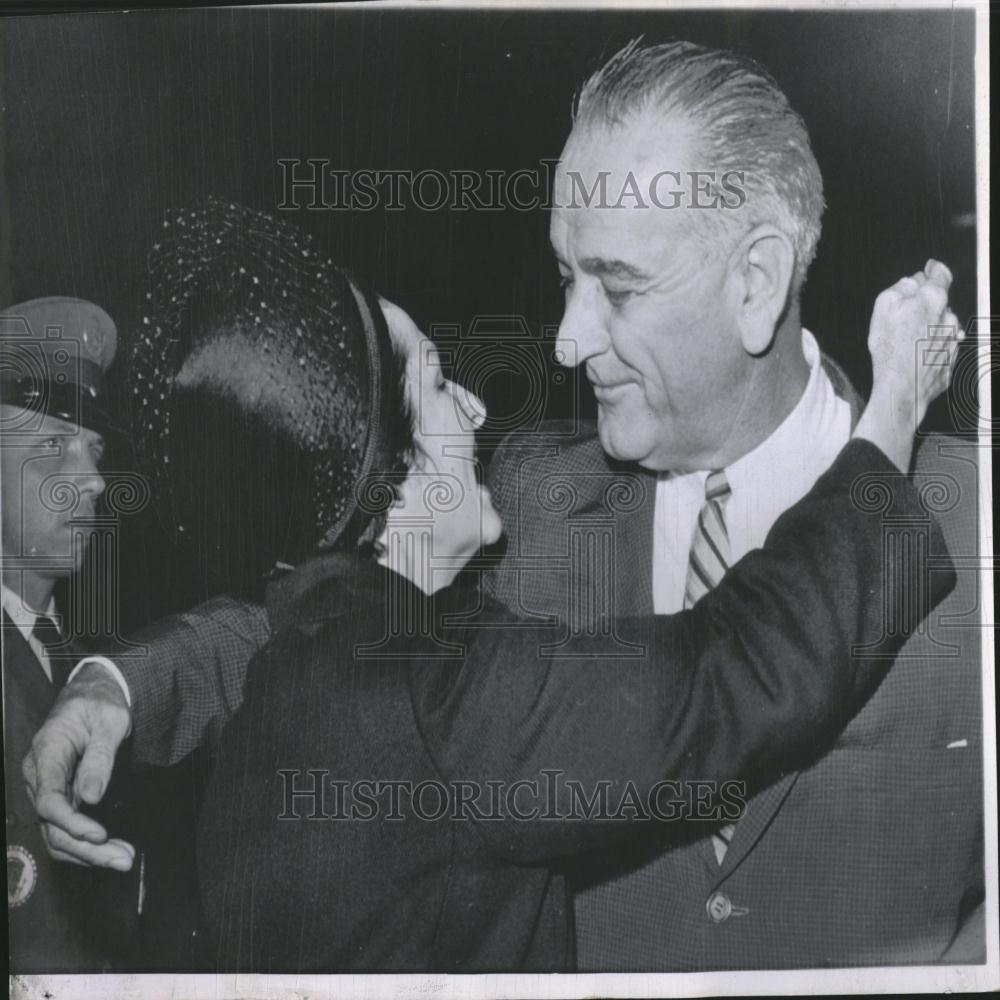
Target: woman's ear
409,492
766,262
406,494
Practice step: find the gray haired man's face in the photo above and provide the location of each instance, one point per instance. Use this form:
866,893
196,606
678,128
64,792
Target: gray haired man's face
650,307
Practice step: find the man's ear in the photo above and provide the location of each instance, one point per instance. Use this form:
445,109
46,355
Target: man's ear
766,262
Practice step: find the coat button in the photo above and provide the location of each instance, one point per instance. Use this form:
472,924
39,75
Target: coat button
719,907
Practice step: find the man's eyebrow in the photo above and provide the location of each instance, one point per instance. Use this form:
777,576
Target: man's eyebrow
612,269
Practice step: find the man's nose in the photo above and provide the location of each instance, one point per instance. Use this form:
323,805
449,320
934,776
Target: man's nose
582,332
87,476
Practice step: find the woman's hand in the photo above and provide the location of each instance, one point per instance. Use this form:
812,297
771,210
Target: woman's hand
913,340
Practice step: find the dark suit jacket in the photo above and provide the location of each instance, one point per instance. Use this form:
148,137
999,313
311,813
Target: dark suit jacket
758,676
872,854
61,918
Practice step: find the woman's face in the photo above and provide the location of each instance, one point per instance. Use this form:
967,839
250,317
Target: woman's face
445,418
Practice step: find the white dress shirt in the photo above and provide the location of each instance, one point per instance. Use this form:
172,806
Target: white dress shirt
765,483
24,618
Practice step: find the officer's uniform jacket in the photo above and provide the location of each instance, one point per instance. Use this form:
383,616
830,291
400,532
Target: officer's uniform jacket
61,917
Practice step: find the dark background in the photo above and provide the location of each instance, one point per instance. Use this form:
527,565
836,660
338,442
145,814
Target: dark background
111,118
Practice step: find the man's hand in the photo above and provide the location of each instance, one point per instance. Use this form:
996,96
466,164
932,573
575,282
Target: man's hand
913,340
907,316
71,760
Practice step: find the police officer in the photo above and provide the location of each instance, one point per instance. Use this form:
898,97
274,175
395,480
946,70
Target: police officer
54,353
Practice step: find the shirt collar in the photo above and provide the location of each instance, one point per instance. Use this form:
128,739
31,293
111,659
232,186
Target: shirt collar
21,615
789,442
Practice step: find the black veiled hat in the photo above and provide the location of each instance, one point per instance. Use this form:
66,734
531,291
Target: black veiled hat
264,391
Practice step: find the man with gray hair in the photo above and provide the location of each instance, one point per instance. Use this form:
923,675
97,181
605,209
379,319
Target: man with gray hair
692,364
686,319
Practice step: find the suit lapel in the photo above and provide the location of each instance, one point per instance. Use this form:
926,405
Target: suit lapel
763,807
21,668
625,496
760,811
635,565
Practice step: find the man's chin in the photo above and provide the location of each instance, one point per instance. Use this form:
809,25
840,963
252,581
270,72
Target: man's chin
619,440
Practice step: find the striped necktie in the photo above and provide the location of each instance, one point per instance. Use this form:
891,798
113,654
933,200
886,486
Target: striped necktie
707,564
60,661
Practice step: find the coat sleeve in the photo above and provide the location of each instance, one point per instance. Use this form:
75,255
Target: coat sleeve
189,679
757,679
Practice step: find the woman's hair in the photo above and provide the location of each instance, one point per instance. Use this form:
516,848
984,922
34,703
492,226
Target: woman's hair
381,490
